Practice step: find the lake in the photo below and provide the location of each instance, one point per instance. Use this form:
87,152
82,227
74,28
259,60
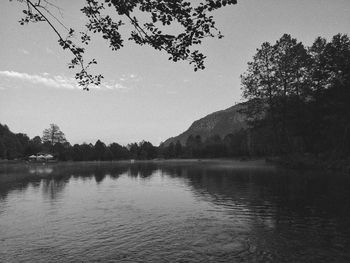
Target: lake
191,211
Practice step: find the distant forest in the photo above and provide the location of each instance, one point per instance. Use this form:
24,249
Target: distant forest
20,146
297,102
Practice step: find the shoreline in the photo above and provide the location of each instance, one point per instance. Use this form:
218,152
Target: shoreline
310,162
135,161
294,162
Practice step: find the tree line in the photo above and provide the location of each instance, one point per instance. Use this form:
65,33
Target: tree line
20,146
299,97
231,145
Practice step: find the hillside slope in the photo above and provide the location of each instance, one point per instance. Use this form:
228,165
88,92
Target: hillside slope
220,122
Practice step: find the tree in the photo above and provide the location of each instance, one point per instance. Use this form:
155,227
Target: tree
35,145
193,20
235,143
304,94
258,82
62,151
77,153
194,146
53,135
119,152
276,82
12,145
147,150
2,150
133,149
99,151
329,101
178,149
214,147
170,151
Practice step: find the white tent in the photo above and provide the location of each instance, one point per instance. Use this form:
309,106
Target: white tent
48,156
32,156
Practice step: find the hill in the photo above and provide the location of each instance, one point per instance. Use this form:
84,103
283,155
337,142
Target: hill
217,123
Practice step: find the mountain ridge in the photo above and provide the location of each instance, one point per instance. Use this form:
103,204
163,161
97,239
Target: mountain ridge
220,123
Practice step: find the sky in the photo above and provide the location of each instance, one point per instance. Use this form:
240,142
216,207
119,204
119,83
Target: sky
144,96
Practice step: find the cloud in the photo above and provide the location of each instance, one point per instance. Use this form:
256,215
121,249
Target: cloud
49,50
115,86
54,82
58,81
129,78
24,51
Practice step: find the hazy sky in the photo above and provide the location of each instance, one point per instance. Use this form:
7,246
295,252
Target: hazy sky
144,95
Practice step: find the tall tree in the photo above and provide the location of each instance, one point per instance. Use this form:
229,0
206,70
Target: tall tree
53,135
99,150
330,78
275,79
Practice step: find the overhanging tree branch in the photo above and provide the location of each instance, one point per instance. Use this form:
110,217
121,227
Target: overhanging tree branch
194,21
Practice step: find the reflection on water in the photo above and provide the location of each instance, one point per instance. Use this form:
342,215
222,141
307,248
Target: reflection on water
172,212
40,170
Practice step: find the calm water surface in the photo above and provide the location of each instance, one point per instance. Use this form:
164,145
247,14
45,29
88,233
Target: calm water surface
177,212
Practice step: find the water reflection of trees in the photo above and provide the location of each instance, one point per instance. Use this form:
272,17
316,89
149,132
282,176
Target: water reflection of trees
287,211
301,192
263,190
284,209
53,187
53,178
143,170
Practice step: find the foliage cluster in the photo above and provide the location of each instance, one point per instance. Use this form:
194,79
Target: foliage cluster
304,93
232,145
150,21
20,146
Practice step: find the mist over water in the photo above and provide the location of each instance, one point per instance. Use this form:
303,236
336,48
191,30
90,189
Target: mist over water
172,212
